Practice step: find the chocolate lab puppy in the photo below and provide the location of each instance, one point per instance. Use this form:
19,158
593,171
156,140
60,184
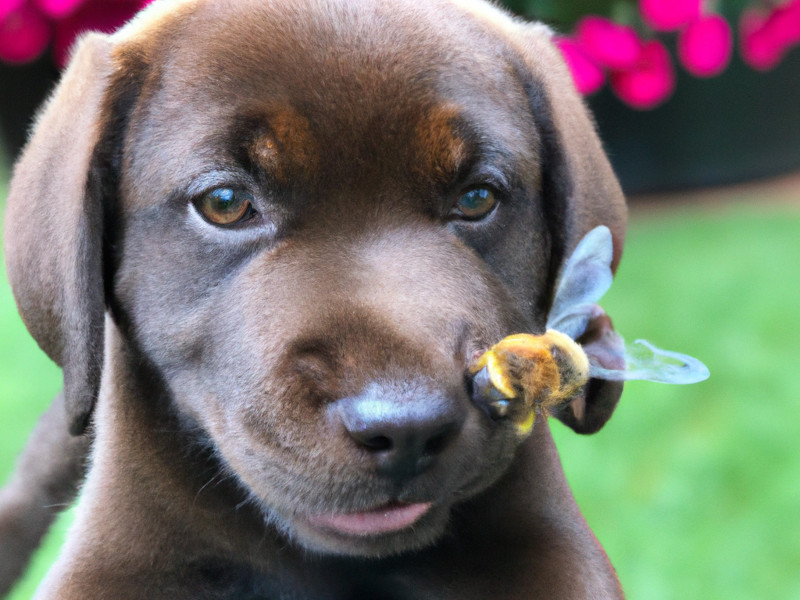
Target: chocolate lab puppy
265,239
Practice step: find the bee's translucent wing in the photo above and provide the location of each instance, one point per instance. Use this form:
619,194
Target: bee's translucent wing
585,279
645,361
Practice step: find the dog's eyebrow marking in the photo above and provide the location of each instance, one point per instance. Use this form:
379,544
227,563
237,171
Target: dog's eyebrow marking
284,145
264,151
441,150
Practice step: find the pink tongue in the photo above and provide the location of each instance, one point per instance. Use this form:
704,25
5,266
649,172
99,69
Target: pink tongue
381,520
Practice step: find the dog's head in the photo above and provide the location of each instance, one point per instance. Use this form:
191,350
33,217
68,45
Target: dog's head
307,218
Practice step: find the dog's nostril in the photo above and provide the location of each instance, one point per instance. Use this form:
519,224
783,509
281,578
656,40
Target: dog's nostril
377,443
436,444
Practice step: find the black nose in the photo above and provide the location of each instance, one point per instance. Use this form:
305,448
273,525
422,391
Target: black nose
404,428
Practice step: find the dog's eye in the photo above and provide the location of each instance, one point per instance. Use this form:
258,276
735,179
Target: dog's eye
225,206
475,203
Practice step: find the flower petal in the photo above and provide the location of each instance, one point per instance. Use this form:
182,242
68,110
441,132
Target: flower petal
58,9
609,44
783,24
759,49
706,45
669,15
24,35
588,77
9,6
651,82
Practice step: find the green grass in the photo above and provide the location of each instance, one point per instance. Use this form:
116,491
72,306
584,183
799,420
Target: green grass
28,381
694,491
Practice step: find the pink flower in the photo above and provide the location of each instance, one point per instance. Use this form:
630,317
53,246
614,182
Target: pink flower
58,9
650,82
588,77
24,35
759,49
95,15
609,44
765,37
783,24
9,6
28,26
706,45
669,15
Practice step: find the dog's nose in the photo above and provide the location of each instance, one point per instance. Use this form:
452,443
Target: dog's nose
404,429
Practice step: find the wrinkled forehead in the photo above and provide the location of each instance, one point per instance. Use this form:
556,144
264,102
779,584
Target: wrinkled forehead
295,84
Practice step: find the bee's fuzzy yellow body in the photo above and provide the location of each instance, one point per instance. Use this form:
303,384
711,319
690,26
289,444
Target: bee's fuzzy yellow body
534,373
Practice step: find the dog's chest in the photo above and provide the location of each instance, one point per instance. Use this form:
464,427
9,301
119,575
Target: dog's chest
325,582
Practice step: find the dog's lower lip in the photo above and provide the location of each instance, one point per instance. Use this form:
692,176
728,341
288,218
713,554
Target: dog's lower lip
383,519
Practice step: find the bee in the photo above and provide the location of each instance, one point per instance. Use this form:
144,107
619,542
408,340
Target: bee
525,375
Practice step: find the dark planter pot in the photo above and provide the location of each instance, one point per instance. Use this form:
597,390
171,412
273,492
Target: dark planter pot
739,126
22,89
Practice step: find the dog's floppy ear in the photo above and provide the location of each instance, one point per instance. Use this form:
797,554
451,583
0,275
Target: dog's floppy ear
589,411
579,186
54,228
579,192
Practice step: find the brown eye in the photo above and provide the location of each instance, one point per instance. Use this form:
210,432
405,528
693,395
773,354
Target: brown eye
475,203
225,206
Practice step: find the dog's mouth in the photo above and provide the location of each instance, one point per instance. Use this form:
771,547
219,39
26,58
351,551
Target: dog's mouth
386,519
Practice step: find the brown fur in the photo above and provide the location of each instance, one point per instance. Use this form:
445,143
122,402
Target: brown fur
230,356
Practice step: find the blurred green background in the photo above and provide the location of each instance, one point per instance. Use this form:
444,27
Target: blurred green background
694,491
